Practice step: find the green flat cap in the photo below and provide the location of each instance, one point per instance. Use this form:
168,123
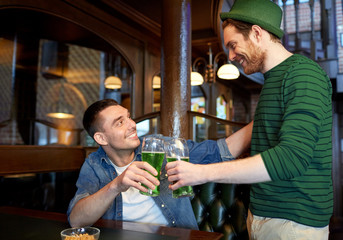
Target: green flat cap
264,13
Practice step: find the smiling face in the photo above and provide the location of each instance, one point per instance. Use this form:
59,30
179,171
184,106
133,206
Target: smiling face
118,130
243,50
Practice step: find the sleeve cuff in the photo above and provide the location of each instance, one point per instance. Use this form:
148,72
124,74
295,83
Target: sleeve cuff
224,150
74,201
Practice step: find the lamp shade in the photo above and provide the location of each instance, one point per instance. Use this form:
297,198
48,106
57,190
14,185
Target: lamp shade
228,71
61,115
156,82
196,79
61,110
113,82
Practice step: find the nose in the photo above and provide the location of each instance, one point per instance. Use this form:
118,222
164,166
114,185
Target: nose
232,55
132,124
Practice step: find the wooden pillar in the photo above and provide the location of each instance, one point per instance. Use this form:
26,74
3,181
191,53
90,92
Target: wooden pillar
175,67
25,84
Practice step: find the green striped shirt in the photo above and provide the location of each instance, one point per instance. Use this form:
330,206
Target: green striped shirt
292,132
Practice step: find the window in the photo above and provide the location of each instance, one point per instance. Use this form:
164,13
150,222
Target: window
221,107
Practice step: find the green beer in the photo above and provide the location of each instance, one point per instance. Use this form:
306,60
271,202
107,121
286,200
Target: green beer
155,159
186,191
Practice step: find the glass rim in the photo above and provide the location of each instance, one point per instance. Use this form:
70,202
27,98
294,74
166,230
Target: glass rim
96,230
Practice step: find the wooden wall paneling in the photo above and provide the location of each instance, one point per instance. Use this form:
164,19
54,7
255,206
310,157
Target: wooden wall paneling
39,159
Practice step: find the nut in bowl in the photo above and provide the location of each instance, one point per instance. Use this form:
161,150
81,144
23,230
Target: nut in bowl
83,233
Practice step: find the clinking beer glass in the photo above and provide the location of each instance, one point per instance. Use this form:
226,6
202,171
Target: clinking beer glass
177,150
153,153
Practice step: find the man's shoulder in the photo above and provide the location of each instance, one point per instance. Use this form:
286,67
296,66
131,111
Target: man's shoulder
96,156
301,66
302,62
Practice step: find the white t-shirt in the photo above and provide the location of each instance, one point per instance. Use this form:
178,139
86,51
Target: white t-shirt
138,207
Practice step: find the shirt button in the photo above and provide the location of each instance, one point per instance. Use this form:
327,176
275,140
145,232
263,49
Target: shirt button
162,205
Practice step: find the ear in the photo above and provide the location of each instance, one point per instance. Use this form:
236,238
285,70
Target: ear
256,33
100,138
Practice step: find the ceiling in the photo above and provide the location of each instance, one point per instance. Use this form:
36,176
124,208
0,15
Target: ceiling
206,30
33,23
205,22
206,25
204,17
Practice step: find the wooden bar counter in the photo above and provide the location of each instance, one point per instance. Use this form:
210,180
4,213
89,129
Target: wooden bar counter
19,223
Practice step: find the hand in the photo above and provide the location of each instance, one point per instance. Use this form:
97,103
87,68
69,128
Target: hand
182,173
135,175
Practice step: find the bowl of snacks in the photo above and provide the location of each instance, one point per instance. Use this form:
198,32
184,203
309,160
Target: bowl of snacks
82,233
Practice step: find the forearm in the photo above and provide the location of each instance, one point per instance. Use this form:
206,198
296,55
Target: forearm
88,210
241,171
239,142
245,171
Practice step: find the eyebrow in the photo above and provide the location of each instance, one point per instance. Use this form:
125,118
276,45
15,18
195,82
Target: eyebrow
120,117
116,120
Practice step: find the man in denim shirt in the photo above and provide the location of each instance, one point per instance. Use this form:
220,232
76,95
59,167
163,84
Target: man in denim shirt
110,178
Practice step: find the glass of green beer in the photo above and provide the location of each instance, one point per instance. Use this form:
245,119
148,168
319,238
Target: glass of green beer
153,153
177,150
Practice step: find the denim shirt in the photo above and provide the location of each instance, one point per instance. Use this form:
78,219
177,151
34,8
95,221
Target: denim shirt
97,171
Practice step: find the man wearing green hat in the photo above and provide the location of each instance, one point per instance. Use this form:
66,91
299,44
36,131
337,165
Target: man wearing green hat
289,169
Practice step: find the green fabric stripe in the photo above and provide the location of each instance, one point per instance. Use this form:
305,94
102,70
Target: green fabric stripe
292,132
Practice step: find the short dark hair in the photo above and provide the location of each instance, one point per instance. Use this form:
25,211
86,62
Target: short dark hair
244,28
91,114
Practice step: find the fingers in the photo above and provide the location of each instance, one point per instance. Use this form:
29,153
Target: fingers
141,187
140,183
146,166
171,165
136,175
181,173
144,171
177,174
177,181
174,168
177,185
148,180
